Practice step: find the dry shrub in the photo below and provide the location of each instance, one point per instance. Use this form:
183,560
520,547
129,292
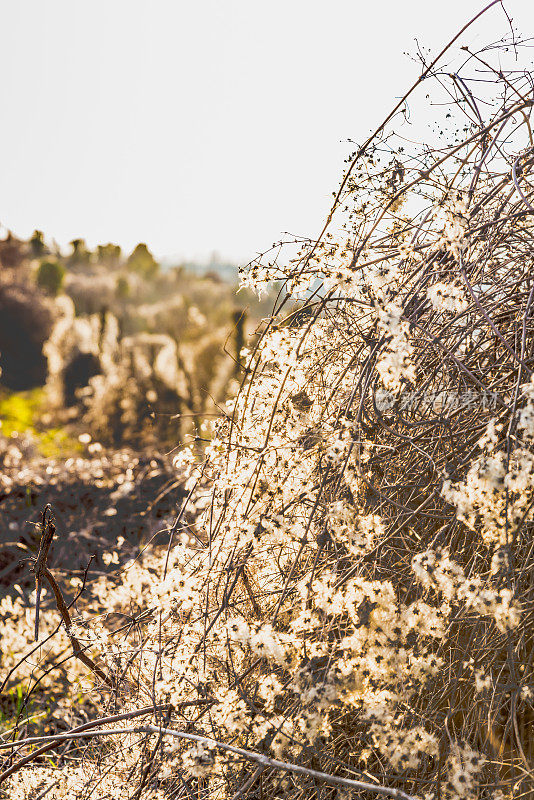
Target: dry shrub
355,597
143,389
26,320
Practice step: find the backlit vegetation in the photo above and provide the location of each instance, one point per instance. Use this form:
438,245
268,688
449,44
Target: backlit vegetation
344,601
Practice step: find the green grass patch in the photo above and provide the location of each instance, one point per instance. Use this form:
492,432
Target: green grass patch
21,412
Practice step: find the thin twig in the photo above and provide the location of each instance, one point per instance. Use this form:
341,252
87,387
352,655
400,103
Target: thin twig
259,758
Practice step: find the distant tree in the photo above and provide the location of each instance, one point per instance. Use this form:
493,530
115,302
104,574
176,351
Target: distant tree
12,251
239,317
214,277
109,254
80,254
25,324
37,245
142,261
50,276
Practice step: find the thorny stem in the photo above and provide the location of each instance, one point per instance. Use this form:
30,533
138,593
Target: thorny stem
41,570
48,529
65,616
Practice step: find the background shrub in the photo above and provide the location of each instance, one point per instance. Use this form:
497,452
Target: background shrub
50,276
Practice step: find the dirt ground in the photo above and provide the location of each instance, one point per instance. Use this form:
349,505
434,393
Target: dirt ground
96,497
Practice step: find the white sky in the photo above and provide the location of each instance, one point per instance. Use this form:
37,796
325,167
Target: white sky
201,125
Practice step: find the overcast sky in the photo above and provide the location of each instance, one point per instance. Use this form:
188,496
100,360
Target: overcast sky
200,125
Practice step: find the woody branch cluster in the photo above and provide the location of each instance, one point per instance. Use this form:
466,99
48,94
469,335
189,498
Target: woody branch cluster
356,604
